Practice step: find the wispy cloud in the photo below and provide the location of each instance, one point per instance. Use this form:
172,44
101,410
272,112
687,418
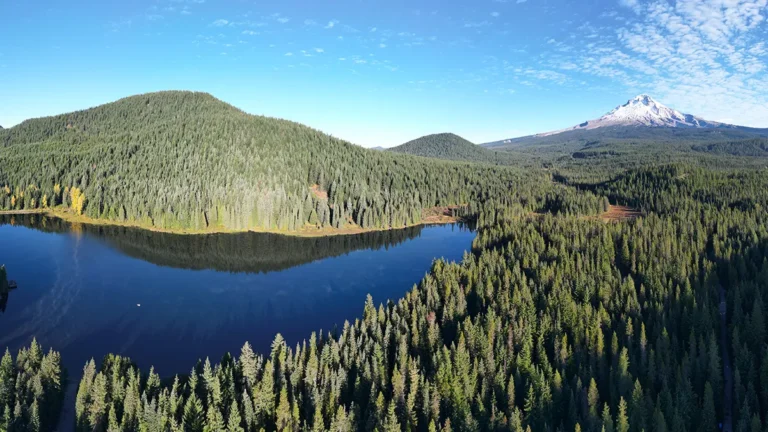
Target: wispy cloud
631,4
220,23
280,18
331,24
707,57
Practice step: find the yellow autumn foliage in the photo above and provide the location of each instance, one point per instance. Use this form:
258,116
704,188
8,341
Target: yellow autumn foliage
78,200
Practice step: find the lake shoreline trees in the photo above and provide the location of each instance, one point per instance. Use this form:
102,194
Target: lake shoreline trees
307,231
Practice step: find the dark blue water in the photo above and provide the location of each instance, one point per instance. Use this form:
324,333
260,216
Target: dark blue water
168,300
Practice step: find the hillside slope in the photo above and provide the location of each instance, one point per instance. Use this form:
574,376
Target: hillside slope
452,147
187,161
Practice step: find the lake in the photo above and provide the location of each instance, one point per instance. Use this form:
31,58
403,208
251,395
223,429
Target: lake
168,300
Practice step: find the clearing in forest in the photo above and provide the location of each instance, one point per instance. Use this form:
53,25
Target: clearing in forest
439,214
319,192
617,213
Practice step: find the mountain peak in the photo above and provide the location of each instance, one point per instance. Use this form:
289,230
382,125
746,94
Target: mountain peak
644,98
643,110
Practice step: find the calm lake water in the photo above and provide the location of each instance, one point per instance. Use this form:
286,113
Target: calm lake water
167,300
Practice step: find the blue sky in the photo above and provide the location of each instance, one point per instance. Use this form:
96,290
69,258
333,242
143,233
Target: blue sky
382,73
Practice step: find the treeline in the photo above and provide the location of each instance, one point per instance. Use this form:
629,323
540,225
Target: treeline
30,390
182,160
562,323
688,191
756,147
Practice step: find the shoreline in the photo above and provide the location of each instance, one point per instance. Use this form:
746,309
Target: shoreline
308,232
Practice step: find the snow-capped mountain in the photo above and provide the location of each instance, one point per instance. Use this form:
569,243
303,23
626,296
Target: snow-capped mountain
643,110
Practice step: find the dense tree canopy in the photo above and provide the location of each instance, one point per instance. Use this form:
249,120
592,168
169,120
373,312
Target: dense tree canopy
30,390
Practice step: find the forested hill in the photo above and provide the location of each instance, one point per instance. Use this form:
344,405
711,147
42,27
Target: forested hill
187,161
452,147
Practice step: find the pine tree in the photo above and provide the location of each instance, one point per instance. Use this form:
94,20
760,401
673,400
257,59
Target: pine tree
214,421
248,365
234,422
113,425
622,422
391,424
530,401
593,399
284,420
34,418
510,396
708,416
607,420
193,419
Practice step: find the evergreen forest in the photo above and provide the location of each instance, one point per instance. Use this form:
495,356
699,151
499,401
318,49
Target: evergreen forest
559,318
31,388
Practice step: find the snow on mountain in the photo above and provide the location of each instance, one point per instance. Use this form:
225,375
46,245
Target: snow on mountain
643,110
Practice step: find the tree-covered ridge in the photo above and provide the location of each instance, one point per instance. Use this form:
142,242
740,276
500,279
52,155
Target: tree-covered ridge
599,155
559,323
182,160
453,147
30,390
756,147
629,134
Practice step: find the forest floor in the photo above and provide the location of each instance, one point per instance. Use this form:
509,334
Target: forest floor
617,213
430,216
